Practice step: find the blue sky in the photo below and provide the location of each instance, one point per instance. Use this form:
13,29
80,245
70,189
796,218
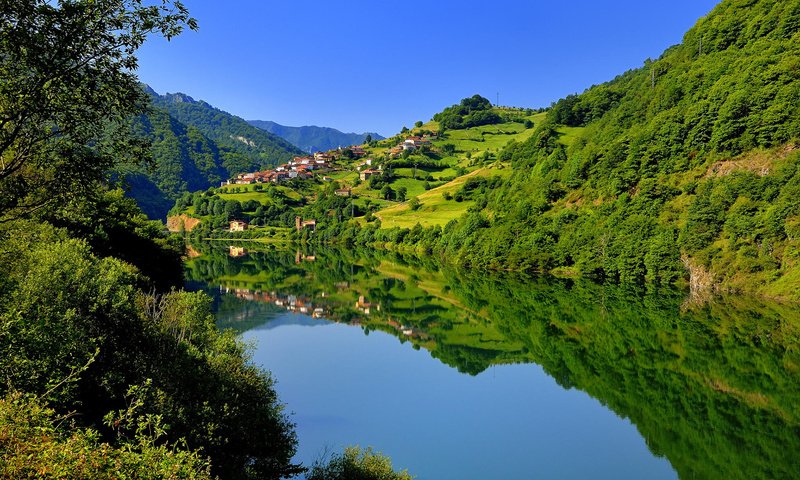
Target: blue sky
377,66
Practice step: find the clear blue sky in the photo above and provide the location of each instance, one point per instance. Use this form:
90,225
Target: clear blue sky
377,66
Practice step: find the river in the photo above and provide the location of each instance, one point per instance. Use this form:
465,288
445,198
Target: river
459,375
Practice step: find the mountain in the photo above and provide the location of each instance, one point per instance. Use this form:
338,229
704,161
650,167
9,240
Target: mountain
314,139
689,162
686,169
195,146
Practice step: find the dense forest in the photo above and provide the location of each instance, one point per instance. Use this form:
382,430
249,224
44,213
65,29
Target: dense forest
194,146
689,159
684,169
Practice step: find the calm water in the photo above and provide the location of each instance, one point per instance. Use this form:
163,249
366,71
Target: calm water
462,377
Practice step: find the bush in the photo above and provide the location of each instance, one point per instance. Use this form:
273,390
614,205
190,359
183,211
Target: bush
357,464
66,314
34,443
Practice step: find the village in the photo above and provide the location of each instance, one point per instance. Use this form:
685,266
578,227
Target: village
305,168
324,163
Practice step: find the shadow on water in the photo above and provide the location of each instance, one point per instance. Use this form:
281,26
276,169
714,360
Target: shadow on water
713,387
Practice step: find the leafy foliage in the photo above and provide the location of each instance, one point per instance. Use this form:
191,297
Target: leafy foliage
471,112
82,327
78,332
195,146
356,464
34,444
66,82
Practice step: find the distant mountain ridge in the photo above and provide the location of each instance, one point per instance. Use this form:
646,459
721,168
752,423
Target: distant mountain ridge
195,146
312,138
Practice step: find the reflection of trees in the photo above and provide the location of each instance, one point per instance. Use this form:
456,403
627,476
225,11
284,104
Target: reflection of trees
713,388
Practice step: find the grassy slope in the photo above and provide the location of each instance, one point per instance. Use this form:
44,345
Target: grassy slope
435,210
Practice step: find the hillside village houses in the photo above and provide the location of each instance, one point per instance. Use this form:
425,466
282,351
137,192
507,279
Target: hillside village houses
298,167
412,143
238,226
305,167
301,224
365,175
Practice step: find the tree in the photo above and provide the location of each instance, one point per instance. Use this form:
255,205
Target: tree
68,91
448,149
233,209
418,123
401,194
368,139
387,193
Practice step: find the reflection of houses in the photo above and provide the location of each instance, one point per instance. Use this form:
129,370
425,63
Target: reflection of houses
291,303
236,252
301,224
366,307
299,257
238,226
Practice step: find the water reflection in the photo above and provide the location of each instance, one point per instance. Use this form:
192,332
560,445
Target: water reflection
713,387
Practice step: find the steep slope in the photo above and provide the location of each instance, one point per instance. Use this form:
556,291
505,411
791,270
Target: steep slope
196,148
684,168
312,138
245,146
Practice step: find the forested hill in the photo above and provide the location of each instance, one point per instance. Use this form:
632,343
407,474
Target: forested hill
196,146
685,168
227,130
312,138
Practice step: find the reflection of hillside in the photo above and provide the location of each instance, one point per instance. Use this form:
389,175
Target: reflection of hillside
714,388
410,303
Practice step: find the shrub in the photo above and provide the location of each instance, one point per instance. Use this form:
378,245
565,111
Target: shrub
357,464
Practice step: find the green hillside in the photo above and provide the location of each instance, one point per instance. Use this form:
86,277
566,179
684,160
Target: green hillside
685,168
195,146
245,146
405,188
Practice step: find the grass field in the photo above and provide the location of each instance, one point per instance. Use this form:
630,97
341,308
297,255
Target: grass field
493,138
249,192
435,209
260,197
569,134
